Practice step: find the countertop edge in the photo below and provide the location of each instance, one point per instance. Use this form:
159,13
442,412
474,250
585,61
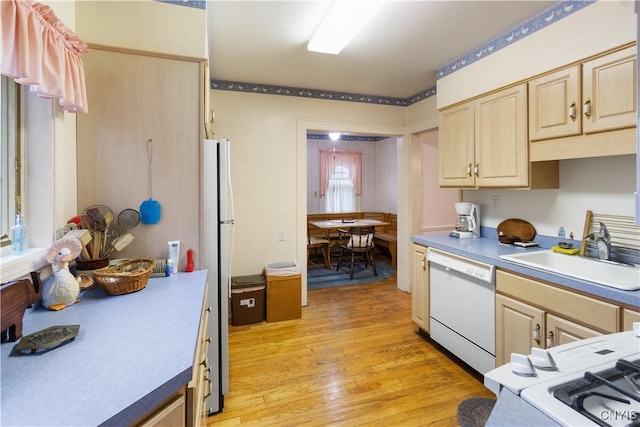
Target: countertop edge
143,406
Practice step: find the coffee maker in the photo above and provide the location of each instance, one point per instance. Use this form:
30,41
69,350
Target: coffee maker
468,221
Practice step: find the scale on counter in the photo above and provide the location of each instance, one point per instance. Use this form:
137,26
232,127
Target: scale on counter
48,339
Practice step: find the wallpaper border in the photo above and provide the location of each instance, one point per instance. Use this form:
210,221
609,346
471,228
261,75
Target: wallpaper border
537,22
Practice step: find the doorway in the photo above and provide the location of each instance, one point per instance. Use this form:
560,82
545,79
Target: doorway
361,138
378,176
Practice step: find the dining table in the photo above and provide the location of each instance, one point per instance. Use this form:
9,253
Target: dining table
335,224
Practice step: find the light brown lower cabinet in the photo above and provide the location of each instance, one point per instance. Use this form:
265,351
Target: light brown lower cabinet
530,313
628,317
199,387
420,287
170,415
562,331
519,327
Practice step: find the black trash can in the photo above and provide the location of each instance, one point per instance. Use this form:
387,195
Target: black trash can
247,299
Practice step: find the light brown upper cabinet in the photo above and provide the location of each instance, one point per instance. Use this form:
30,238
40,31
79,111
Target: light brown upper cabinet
456,146
585,110
483,143
554,104
609,91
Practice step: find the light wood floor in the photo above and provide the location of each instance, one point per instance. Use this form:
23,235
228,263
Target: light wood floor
354,359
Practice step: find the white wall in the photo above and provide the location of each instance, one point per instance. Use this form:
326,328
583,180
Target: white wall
143,25
603,185
385,175
437,204
269,165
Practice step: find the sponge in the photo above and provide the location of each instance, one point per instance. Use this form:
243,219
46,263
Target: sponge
571,251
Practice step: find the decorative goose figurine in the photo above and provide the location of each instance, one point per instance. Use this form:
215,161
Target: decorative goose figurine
65,288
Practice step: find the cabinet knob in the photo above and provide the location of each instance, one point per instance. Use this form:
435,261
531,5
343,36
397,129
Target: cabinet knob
205,362
550,339
424,263
208,340
476,169
572,111
208,309
469,169
586,108
536,334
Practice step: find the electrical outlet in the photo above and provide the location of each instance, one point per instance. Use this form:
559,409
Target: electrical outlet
281,235
495,202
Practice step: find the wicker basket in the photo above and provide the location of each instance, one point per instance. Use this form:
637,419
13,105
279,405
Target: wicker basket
130,276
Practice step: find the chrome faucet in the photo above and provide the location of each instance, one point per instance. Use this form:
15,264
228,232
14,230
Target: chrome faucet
603,241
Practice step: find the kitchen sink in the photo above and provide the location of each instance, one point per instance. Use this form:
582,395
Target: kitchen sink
620,276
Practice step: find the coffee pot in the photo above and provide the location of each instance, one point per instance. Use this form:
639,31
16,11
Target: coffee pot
467,223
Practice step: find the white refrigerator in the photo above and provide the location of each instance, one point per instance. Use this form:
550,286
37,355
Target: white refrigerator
218,247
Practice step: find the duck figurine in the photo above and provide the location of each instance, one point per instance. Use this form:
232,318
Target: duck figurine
65,288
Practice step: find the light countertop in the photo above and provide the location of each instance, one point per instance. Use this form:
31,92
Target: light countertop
489,250
132,352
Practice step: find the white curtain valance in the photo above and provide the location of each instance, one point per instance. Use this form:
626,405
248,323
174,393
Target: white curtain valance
39,50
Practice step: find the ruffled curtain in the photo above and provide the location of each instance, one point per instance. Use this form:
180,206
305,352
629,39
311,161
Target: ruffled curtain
329,160
39,50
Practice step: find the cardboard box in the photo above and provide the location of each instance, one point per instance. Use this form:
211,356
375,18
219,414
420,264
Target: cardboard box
284,295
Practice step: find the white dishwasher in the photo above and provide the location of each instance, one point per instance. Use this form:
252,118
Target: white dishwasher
462,308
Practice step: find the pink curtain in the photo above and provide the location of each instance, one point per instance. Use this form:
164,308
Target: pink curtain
39,50
330,159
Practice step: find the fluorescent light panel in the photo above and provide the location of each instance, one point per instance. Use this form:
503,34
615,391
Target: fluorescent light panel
343,21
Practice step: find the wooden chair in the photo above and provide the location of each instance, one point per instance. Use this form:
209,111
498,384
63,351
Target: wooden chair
313,244
357,242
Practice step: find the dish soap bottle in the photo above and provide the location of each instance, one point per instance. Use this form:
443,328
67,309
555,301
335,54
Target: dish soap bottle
169,269
19,236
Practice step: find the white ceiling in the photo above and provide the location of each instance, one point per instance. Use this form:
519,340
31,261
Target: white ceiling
396,55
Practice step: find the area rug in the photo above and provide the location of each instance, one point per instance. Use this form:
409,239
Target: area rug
320,277
475,411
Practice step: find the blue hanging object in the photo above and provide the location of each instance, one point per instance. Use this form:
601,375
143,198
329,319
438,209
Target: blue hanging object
150,209
150,212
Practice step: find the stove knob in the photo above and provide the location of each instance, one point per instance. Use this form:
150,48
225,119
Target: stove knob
542,359
521,365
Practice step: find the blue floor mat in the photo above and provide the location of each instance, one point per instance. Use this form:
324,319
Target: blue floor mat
320,277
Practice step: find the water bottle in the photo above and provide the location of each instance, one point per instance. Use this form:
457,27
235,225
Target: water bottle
19,237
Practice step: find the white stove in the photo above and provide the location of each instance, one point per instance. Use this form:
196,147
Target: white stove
575,393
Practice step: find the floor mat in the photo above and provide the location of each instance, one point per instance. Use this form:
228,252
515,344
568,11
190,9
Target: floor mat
320,277
475,411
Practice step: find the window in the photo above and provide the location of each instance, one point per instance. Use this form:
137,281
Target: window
340,179
10,159
341,194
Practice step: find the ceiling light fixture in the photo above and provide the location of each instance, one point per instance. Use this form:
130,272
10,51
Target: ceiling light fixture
343,21
334,136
